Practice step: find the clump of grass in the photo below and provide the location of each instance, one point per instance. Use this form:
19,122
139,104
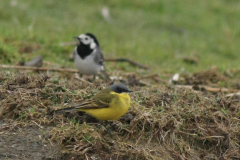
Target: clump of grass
191,124
207,77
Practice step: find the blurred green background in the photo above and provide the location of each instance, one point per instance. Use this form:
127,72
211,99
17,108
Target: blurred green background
157,33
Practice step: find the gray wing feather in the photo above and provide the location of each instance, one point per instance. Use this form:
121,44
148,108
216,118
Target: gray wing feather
99,59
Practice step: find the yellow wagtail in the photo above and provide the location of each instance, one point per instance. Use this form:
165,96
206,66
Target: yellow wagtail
109,104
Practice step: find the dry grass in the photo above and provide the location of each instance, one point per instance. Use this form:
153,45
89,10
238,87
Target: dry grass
164,122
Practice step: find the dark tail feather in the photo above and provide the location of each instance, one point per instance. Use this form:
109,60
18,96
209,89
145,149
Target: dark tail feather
69,109
105,75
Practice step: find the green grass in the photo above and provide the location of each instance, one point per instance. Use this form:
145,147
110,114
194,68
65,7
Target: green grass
155,33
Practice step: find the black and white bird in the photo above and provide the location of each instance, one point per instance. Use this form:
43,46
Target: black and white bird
88,56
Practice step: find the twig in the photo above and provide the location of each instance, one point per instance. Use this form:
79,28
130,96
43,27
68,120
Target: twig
127,60
82,80
144,83
211,89
147,76
152,76
209,137
59,93
68,43
232,94
38,125
184,86
40,68
207,88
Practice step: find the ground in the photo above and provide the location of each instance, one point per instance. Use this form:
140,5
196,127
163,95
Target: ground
184,106
171,121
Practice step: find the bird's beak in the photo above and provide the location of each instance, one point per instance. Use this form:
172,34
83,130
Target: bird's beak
130,91
76,38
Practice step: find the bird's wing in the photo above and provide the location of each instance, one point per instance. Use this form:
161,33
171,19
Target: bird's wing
87,104
91,104
99,59
100,100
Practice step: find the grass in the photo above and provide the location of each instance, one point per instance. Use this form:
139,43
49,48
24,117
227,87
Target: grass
155,33
164,121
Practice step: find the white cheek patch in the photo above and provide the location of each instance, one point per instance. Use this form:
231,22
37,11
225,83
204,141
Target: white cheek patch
93,45
84,40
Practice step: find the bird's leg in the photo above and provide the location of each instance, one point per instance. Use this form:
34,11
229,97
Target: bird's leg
91,80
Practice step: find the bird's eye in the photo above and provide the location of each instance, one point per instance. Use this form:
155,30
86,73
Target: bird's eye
120,90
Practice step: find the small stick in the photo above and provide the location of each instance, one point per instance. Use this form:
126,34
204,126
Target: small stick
40,68
82,80
152,76
232,94
184,86
208,137
212,89
38,124
147,76
127,60
68,43
207,88
144,83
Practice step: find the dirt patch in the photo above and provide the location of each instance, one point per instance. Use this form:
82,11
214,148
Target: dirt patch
25,142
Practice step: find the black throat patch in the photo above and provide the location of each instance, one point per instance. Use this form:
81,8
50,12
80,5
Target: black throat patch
84,50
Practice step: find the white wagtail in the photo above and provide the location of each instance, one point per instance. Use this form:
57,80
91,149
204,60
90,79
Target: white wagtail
88,56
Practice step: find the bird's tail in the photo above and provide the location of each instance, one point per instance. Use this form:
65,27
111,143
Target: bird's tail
68,109
105,75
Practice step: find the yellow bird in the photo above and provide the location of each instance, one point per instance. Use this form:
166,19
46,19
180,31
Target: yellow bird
109,104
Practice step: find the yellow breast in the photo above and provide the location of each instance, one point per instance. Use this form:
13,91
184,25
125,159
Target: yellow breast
117,108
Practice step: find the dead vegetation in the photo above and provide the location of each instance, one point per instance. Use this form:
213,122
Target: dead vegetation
164,121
